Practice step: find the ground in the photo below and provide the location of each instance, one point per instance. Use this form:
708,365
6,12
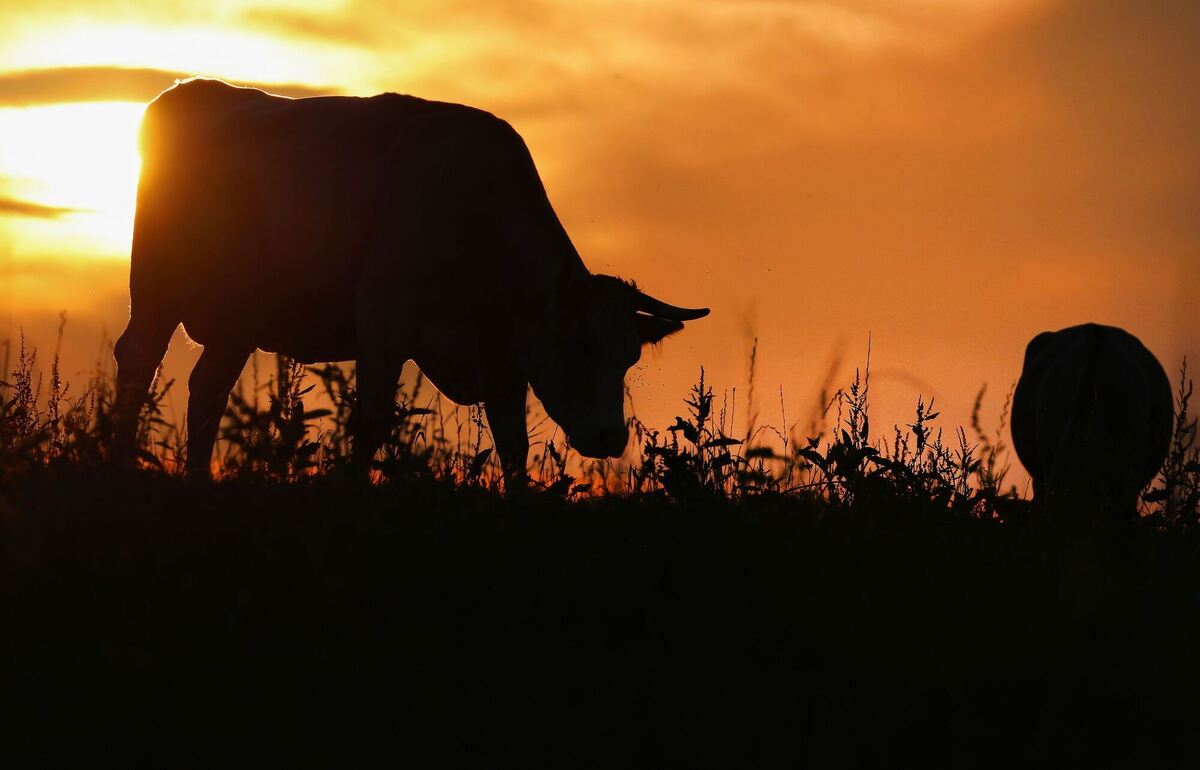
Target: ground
154,621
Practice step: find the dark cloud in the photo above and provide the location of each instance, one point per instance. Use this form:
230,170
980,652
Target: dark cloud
25,88
19,208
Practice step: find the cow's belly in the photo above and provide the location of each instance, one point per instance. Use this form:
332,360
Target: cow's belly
458,381
453,357
292,280
272,287
302,322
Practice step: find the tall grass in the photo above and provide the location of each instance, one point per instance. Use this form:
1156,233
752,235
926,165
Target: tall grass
295,421
1175,495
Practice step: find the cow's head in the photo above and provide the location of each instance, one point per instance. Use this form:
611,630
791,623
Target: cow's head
577,358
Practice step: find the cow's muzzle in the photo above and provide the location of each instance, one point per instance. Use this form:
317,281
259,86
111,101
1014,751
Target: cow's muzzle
609,442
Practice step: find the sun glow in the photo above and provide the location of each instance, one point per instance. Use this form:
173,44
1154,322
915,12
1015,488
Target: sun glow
194,49
81,159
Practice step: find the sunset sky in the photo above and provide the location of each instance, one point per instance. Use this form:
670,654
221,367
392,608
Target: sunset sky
948,176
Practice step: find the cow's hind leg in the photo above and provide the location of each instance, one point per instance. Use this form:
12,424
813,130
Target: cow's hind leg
506,418
377,374
138,351
211,381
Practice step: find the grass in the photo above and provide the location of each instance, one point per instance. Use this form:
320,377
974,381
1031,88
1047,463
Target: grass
294,422
737,594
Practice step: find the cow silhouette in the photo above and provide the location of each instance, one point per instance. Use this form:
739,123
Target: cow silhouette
1092,418
381,229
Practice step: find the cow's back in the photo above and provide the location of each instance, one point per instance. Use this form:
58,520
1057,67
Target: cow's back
256,213
1092,415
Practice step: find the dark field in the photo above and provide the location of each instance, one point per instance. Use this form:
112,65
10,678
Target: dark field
157,622
835,600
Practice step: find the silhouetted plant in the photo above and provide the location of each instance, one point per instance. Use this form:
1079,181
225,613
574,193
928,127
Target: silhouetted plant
993,467
276,441
1175,498
694,457
38,429
298,423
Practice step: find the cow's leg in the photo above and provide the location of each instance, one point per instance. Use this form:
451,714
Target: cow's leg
377,374
138,351
506,418
209,385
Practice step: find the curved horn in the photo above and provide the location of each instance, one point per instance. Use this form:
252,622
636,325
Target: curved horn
656,307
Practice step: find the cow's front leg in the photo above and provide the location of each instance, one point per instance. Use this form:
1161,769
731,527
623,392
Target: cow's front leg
506,418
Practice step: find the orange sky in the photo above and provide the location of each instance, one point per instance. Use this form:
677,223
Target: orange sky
949,176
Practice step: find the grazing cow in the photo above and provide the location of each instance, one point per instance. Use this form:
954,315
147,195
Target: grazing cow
377,229
1092,418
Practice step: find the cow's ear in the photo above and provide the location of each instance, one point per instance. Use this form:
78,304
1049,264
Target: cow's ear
652,329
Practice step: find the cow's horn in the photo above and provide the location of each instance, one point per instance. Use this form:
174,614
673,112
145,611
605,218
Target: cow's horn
660,309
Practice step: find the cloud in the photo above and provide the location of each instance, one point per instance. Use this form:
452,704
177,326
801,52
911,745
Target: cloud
385,23
343,28
25,88
19,208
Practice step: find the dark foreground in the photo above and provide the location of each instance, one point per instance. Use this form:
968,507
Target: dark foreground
151,622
